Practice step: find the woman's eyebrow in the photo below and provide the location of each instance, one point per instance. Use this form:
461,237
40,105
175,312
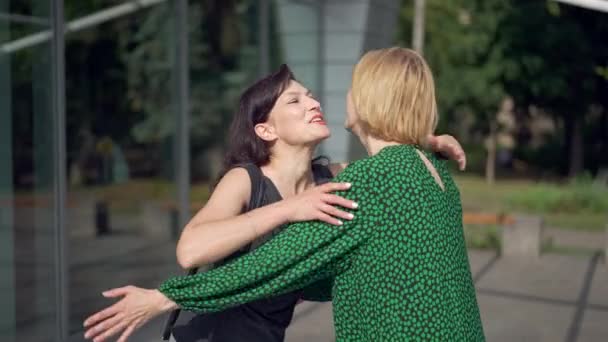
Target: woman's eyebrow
305,91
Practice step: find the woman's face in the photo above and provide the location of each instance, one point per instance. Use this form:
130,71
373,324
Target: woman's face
295,119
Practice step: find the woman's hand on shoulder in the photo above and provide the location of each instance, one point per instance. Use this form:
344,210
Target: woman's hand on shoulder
319,203
449,147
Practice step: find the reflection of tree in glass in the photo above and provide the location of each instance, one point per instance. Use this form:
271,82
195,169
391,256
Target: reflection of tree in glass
222,59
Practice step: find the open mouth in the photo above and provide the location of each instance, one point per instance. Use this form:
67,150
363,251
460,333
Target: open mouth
318,119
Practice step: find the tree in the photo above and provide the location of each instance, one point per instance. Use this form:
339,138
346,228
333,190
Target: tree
542,54
467,60
554,53
222,59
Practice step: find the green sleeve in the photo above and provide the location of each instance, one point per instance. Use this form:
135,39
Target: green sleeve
301,254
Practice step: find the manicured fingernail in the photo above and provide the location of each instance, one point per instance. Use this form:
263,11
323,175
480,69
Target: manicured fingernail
351,216
340,223
355,205
348,185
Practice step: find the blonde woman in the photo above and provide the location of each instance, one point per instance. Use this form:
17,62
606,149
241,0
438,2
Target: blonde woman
399,268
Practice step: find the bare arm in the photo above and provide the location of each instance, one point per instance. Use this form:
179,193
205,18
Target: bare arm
219,229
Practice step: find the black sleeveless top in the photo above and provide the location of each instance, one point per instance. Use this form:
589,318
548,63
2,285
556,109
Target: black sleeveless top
264,320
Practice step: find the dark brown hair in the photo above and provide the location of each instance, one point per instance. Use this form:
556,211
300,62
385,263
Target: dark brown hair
255,104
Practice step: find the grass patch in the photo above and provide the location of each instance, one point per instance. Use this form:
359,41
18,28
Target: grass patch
482,237
126,197
578,205
578,221
571,198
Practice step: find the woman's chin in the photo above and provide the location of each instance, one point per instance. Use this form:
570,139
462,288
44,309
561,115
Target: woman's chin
324,136
319,139
324,132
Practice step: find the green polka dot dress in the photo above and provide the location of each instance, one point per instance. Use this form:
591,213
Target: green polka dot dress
399,270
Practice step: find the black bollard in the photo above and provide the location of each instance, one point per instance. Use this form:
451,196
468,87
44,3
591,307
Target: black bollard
102,218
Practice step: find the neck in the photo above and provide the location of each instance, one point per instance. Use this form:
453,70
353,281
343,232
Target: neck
290,169
373,145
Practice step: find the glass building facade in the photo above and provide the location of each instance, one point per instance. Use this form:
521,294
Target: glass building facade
113,116
110,135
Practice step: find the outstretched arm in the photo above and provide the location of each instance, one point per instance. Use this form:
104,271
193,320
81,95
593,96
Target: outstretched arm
448,147
303,253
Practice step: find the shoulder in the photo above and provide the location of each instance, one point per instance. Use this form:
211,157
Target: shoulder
230,196
237,174
360,172
390,164
236,180
336,168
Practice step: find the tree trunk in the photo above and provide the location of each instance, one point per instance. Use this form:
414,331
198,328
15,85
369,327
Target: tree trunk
491,157
418,29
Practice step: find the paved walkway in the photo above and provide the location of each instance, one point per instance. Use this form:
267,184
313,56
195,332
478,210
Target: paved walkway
556,298
575,239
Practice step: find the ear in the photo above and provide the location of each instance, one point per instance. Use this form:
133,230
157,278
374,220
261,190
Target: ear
265,131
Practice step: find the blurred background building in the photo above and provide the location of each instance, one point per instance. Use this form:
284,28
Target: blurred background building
111,133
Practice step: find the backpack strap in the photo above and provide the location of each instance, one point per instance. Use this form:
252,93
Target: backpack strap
257,186
321,173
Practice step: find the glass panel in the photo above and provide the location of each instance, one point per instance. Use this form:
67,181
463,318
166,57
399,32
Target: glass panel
27,235
224,56
297,37
121,207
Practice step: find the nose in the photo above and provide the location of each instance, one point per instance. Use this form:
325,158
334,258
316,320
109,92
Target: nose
314,104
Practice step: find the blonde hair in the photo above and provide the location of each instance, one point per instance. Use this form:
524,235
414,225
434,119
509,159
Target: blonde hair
393,94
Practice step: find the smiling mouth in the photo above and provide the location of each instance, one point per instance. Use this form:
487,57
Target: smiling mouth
318,119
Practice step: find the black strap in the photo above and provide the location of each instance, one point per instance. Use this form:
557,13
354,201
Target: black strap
255,201
321,173
257,186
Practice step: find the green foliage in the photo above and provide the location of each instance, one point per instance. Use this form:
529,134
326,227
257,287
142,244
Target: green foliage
540,53
580,196
466,58
552,47
222,59
482,237
478,196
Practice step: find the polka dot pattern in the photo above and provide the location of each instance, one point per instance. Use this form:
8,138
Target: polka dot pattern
400,270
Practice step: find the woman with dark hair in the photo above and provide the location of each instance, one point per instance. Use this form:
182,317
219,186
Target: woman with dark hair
276,114
276,130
